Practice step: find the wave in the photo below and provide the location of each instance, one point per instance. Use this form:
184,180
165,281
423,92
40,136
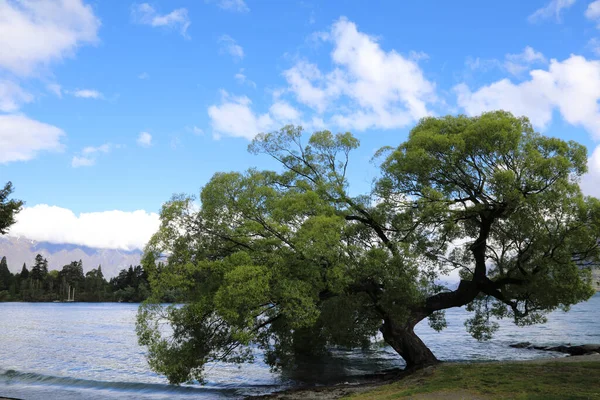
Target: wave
31,378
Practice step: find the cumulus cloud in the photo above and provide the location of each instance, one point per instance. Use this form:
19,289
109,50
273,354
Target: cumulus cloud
87,94
593,12
590,182
34,34
383,89
144,139
144,75
107,229
145,14
367,87
22,138
12,96
283,111
571,87
234,117
230,46
551,10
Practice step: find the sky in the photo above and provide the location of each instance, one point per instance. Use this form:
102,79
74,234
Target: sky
107,108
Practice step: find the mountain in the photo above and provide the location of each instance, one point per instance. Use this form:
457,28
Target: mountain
20,250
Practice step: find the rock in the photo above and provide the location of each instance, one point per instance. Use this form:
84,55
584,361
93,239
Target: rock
591,347
579,350
560,349
573,350
521,345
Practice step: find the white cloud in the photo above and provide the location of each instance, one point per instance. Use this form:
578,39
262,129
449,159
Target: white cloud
87,94
144,139
593,12
146,14
22,138
82,161
34,34
303,80
242,79
230,46
234,117
88,156
233,5
594,45
197,131
590,182
367,88
105,148
144,75
107,229
571,87
12,96
284,112
482,64
551,10
519,63
55,88
383,88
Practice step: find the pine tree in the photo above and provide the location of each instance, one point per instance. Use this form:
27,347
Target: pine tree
24,272
5,275
40,269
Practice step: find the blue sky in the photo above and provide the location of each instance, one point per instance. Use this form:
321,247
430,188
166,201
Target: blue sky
109,107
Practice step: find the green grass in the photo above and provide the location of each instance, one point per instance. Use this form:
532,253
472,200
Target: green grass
549,381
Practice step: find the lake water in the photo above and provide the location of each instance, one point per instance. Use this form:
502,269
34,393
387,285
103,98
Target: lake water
86,350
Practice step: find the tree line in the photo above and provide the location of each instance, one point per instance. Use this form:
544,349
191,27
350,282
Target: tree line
39,284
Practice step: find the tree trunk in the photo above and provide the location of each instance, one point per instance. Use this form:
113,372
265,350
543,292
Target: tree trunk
406,343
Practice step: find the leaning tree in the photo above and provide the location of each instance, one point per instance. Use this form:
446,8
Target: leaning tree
292,263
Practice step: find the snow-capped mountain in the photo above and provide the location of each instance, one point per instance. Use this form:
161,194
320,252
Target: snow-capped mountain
19,250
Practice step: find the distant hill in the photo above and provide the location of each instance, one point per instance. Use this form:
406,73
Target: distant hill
22,250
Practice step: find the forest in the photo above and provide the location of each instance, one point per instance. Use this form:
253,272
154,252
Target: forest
37,284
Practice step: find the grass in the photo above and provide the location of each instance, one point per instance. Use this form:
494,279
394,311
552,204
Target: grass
548,381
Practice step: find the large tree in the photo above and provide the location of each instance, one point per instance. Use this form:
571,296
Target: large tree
39,269
5,275
8,208
294,263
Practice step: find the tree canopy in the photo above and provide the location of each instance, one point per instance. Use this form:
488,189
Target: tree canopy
8,208
293,263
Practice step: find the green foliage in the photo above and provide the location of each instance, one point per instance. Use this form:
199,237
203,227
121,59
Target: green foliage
131,285
294,264
8,208
5,275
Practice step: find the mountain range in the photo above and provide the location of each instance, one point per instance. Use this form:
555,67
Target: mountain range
19,250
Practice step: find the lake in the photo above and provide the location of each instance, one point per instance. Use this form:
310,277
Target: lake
90,350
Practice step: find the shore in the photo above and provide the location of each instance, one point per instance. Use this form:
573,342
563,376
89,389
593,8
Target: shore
546,376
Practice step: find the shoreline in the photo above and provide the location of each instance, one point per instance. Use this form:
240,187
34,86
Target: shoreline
337,391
